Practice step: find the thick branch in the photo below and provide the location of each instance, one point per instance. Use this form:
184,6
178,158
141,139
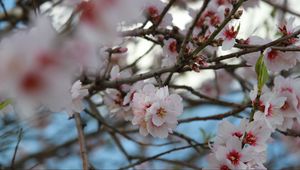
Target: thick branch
259,48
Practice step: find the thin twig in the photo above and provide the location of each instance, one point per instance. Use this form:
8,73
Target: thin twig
191,28
180,163
159,155
244,46
139,58
82,143
289,132
219,29
215,117
121,147
52,150
176,68
187,139
259,48
200,95
4,9
16,148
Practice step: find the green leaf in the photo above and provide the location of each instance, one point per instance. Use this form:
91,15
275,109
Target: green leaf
4,103
261,72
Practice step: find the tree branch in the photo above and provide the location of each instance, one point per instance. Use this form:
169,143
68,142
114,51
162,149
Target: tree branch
82,143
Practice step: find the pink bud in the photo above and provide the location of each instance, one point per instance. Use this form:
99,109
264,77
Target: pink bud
122,50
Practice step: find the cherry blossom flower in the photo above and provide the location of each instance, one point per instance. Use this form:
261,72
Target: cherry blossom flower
100,20
212,17
226,130
254,134
269,108
214,163
165,109
114,98
153,9
156,111
133,89
276,60
170,52
77,93
221,3
228,36
288,87
33,74
288,28
141,101
160,131
235,155
251,58
85,56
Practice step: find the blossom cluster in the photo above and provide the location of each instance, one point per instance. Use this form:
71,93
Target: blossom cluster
276,60
280,106
212,18
153,109
240,147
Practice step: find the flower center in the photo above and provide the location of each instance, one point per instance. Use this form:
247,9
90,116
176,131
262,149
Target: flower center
249,139
161,112
270,110
119,100
234,157
173,46
32,83
132,95
88,13
224,167
272,55
221,2
230,33
47,60
287,89
237,134
283,30
285,106
152,11
261,106
214,20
